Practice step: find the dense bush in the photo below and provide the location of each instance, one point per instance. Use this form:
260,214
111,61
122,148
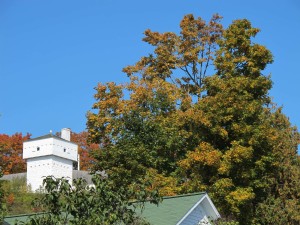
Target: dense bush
102,203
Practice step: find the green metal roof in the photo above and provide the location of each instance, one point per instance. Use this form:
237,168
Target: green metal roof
12,219
171,210
168,212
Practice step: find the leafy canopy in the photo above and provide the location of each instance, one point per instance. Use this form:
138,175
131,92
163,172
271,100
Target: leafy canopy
11,149
196,115
101,203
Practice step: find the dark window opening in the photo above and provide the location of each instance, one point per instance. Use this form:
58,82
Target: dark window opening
75,166
38,148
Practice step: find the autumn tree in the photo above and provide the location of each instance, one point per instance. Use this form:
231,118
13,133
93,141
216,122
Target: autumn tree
189,54
11,148
229,160
85,149
138,133
147,124
198,111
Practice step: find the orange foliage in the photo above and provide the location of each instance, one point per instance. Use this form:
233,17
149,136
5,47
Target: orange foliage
166,185
84,149
11,148
10,199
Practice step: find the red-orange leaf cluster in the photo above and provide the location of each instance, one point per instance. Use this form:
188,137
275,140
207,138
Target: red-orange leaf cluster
84,149
11,148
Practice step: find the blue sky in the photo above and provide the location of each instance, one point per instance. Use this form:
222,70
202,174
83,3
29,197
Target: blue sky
53,53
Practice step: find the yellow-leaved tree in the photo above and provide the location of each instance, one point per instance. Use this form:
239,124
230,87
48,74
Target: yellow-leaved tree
196,115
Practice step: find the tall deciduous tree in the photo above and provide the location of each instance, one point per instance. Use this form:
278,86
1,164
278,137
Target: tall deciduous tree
11,149
137,133
230,156
191,52
219,133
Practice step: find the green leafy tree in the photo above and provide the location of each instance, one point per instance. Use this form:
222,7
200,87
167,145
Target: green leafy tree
238,158
198,110
103,203
234,104
146,131
138,133
282,204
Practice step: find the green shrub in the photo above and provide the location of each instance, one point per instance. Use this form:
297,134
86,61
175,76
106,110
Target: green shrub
17,198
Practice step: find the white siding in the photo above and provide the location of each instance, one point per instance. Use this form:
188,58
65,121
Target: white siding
65,149
209,208
50,146
197,216
30,148
48,157
37,170
62,168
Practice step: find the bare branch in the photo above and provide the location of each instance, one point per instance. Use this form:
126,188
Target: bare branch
188,73
208,60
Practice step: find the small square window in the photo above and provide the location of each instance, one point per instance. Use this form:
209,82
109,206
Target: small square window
38,148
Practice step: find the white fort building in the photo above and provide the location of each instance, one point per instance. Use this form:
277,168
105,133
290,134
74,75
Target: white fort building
50,155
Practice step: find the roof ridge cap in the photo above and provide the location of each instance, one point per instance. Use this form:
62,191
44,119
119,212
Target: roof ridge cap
185,195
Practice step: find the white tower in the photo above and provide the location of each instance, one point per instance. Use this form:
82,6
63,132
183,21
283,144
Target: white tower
49,155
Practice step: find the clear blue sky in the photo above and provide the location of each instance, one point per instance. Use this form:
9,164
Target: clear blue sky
53,53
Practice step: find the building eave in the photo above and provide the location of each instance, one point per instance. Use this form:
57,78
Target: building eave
47,136
217,215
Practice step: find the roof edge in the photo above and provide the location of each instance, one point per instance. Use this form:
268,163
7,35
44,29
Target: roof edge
191,209
40,156
48,136
196,205
185,195
174,196
24,214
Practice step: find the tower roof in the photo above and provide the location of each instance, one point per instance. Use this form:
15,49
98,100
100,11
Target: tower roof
48,136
